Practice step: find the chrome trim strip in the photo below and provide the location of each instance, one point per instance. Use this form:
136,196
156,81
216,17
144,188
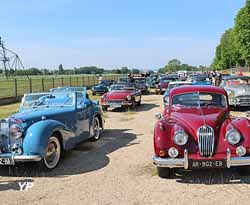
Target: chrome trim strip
27,158
228,158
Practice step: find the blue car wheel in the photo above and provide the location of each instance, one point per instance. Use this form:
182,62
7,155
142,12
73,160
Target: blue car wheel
97,129
53,154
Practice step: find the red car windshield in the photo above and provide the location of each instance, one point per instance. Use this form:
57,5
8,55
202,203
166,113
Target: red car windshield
199,99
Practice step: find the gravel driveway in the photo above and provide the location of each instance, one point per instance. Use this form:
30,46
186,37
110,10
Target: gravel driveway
118,170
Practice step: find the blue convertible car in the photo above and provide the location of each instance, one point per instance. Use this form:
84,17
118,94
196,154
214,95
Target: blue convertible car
47,124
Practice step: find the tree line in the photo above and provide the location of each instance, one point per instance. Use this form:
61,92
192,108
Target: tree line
234,47
74,71
176,65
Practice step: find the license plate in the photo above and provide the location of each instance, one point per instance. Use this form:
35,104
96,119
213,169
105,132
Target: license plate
199,164
6,161
114,105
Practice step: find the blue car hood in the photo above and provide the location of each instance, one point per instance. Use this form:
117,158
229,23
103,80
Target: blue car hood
31,116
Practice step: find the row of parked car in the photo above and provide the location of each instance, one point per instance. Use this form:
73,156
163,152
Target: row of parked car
194,131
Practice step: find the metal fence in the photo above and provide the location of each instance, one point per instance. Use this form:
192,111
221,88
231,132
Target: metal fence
18,86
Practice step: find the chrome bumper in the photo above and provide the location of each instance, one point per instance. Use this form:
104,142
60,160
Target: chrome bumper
183,162
27,158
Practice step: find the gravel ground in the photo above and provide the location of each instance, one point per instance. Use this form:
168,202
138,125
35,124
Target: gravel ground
118,170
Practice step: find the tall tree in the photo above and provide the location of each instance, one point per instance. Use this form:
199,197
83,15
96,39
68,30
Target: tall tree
60,69
242,31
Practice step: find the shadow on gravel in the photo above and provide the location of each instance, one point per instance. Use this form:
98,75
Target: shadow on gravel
141,108
86,157
211,177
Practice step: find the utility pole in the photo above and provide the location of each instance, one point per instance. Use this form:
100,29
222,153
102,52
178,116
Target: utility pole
10,59
4,59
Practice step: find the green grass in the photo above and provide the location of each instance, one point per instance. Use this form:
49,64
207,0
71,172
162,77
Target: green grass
7,110
7,86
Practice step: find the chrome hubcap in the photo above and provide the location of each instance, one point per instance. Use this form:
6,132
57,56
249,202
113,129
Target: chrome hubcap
96,129
53,152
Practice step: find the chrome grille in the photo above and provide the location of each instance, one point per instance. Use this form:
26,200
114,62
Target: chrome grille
4,136
206,141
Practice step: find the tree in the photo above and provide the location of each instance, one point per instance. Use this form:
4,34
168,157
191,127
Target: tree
124,70
173,65
227,53
242,31
60,69
135,71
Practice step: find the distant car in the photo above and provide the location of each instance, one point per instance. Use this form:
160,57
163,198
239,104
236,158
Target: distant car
196,132
68,89
121,95
172,85
99,89
151,81
108,83
200,80
141,84
47,124
163,84
238,90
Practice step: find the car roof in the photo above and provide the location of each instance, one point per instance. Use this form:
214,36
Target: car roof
197,88
236,76
180,82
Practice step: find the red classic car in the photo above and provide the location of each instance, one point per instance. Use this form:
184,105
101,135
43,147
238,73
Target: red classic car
161,87
196,131
121,95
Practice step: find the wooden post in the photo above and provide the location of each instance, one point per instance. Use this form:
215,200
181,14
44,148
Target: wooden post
77,81
82,81
30,82
70,81
53,82
15,87
62,82
42,84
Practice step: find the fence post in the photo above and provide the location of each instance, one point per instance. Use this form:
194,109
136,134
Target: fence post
88,80
62,82
70,81
77,81
30,82
42,84
82,81
15,87
53,82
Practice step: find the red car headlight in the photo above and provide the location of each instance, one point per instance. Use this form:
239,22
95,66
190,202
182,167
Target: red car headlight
180,137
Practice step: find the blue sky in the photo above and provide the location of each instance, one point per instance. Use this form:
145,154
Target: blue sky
142,34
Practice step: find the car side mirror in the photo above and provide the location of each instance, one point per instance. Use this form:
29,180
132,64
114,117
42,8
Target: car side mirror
248,114
158,116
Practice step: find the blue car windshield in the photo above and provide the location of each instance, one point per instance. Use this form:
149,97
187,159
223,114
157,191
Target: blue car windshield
48,100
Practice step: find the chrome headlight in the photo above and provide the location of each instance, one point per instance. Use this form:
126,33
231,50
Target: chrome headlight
129,97
230,94
16,131
233,136
180,137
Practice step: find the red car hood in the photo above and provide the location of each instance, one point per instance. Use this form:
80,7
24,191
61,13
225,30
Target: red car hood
117,95
163,85
192,120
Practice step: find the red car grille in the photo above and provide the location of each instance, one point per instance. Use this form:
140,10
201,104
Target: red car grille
206,141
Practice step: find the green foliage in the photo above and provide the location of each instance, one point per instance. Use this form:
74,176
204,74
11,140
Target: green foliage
176,65
234,46
242,31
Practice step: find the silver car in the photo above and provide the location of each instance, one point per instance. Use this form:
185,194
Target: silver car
238,90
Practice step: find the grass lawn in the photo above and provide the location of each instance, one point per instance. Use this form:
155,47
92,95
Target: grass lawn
7,110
